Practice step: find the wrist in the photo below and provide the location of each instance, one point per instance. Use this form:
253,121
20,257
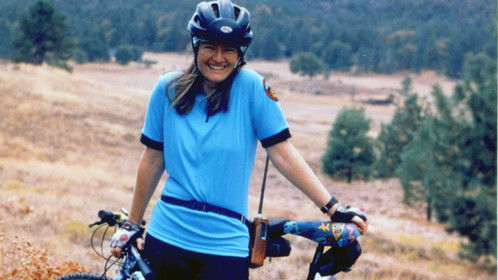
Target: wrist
331,206
134,218
333,209
131,221
130,225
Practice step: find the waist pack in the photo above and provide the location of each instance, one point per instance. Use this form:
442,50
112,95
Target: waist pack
257,245
258,228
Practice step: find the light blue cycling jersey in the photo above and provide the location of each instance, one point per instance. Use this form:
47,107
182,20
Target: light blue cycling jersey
210,160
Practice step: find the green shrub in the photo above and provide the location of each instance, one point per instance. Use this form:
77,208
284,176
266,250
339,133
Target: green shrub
127,53
306,64
350,152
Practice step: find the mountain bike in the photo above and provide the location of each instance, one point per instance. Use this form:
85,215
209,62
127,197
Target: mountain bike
133,266
337,248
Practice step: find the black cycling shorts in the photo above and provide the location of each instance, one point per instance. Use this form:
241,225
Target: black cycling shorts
172,263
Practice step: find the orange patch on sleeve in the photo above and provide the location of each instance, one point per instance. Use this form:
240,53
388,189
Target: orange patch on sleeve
269,91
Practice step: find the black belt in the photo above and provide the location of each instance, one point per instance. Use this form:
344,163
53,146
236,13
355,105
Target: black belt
206,207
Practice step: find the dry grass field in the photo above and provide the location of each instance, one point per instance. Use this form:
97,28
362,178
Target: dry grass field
69,147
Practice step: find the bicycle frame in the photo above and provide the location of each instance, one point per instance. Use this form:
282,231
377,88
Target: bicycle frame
313,270
128,265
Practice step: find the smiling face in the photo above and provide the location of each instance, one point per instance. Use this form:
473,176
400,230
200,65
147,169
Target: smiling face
216,61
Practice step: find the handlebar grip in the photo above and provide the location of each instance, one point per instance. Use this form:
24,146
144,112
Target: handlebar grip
106,214
109,217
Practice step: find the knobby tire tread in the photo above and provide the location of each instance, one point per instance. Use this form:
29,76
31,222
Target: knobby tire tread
83,276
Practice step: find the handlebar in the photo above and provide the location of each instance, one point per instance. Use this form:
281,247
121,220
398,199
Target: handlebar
109,217
326,233
112,218
340,237
134,259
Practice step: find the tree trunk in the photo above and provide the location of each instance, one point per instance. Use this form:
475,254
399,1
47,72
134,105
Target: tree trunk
429,210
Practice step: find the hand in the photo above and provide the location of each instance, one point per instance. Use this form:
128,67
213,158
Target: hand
118,251
362,224
346,214
129,232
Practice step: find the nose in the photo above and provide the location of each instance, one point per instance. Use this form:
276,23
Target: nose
218,55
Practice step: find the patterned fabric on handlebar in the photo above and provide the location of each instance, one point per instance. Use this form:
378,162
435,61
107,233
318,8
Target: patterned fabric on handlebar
325,233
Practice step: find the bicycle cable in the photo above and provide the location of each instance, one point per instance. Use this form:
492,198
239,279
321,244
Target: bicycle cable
93,245
104,275
106,267
102,240
101,253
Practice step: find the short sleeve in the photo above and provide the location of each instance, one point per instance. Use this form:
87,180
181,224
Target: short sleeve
152,131
268,120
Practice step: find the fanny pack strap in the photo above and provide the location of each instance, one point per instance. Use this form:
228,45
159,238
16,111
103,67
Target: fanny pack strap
206,207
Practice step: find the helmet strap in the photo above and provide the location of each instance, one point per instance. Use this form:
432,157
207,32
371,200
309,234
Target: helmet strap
243,51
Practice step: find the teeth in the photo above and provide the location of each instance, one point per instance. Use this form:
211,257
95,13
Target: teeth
216,67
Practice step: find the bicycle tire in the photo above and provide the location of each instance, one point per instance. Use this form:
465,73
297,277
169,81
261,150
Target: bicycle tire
82,276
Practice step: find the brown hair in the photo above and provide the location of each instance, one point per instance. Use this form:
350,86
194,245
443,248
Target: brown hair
188,84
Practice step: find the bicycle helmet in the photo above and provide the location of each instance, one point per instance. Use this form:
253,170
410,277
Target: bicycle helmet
220,21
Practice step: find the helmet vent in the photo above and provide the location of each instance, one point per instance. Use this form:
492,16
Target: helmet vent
236,12
216,9
197,19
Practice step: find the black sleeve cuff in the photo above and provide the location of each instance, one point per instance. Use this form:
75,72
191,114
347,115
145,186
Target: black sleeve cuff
277,138
151,143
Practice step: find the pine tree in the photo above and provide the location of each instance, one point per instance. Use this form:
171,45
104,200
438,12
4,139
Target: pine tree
149,31
270,46
429,158
350,152
451,163
394,136
44,37
474,211
338,56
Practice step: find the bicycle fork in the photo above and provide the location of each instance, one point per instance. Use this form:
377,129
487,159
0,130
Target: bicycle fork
314,268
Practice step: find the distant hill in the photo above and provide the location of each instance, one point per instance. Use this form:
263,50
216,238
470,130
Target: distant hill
383,36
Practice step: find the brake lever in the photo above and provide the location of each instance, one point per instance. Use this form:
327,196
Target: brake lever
96,223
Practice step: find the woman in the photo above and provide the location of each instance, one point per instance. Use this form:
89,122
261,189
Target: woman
202,126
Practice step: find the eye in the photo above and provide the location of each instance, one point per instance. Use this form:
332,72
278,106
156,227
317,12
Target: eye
230,50
208,47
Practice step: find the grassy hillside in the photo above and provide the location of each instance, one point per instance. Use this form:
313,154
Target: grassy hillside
69,147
